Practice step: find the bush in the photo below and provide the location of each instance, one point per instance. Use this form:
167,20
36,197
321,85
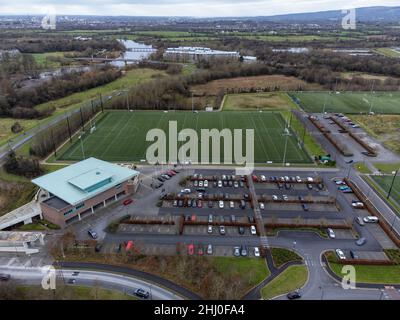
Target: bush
394,255
112,227
282,256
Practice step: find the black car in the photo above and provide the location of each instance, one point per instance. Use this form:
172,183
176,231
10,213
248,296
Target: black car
180,203
353,255
210,204
246,196
161,179
241,230
141,293
293,295
188,218
242,204
309,186
287,186
201,189
225,183
4,277
92,234
251,219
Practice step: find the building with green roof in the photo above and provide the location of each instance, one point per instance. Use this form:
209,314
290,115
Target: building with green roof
84,187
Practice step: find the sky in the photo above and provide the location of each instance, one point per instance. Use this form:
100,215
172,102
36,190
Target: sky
193,8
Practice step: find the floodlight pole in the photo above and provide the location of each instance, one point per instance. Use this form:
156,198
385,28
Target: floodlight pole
371,104
83,152
284,154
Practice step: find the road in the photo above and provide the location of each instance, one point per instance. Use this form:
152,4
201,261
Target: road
122,283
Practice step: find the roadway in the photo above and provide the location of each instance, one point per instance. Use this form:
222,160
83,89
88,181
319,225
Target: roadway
119,282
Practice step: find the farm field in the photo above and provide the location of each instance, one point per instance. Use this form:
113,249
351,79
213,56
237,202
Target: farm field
350,102
385,128
121,136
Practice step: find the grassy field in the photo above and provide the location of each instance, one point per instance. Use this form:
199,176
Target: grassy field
291,279
385,182
5,128
354,102
257,101
121,136
385,128
387,167
372,274
389,52
43,61
282,256
253,270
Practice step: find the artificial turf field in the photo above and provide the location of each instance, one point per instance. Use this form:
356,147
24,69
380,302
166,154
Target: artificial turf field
121,135
349,102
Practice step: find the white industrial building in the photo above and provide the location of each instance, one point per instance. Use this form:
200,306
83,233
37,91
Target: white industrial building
197,53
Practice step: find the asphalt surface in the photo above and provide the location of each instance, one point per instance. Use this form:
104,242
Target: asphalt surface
120,282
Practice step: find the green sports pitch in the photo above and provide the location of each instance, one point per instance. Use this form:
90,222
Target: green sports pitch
349,102
121,135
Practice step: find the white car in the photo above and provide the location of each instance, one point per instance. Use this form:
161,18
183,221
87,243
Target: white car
285,197
253,230
274,197
231,205
298,179
205,183
200,183
357,204
263,178
309,179
210,229
221,204
219,184
262,206
186,191
287,178
331,233
256,252
371,219
340,254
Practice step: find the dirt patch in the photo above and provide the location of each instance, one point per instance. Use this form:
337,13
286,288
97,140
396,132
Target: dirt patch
273,82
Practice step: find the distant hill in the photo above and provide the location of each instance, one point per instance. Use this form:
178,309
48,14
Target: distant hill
369,14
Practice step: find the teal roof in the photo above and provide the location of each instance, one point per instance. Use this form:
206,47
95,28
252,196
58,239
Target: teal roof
84,180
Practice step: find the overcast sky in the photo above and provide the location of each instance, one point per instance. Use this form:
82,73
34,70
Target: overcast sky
199,8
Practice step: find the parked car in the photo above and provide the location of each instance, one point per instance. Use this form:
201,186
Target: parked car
205,184
199,204
127,202
361,241
195,183
92,234
293,295
236,251
175,203
231,204
353,255
210,249
222,230
200,251
262,206
210,218
190,249
141,293
309,186
236,184
186,191
4,277
71,281
255,178
242,204
304,206
348,191
253,230
275,198
263,178
221,204
200,183
251,219
256,252
241,230
371,219
219,184
243,251
209,229
340,254
180,203
331,233
298,179
233,218
357,204
285,197
360,221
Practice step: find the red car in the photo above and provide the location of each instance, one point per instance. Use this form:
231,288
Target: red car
200,251
127,202
199,204
193,217
171,173
190,249
255,178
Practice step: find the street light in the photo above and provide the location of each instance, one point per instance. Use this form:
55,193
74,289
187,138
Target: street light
391,187
83,152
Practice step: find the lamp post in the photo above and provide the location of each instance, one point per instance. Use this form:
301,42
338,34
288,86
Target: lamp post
391,187
83,151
